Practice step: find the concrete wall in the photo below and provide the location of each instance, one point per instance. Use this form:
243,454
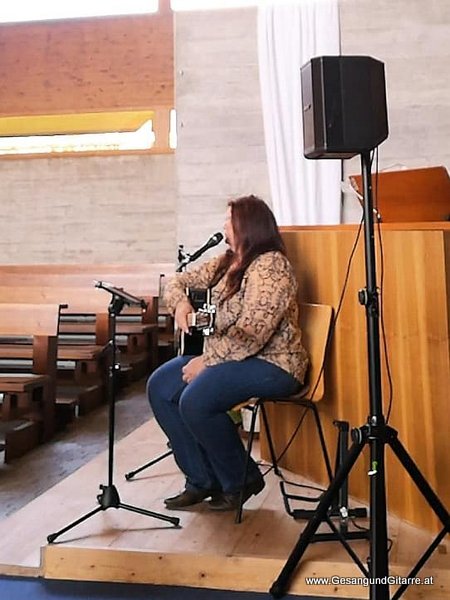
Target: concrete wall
221,145
412,38
98,209
134,208
220,153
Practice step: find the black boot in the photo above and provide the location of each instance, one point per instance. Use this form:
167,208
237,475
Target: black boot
188,498
225,501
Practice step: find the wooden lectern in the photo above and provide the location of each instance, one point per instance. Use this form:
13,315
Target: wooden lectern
416,319
410,195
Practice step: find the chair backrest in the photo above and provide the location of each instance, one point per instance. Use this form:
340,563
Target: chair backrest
315,321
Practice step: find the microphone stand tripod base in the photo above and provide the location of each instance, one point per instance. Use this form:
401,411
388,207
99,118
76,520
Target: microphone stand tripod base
109,498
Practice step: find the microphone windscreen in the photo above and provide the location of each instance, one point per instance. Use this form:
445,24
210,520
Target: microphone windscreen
216,238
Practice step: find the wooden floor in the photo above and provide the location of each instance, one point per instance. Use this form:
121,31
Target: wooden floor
207,550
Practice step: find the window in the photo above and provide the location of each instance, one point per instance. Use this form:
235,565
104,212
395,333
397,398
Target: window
141,139
86,133
42,10
31,10
179,5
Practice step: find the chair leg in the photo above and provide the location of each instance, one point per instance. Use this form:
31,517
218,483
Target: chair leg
273,456
251,435
326,456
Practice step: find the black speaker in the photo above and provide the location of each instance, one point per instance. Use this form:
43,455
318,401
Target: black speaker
344,106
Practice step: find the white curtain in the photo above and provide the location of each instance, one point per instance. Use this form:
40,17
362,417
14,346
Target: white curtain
290,33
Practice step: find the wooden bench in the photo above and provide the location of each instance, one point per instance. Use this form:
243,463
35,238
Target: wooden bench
28,398
82,370
142,279
146,277
86,320
92,269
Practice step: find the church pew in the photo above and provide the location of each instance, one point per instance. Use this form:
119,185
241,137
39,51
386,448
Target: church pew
27,414
82,365
144,280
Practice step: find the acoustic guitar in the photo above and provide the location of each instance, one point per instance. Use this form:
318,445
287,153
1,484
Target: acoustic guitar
201,322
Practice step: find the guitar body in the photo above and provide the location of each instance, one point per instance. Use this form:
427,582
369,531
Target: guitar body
192,344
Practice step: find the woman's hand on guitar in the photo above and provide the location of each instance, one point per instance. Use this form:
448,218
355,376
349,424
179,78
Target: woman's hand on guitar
193,368
182,310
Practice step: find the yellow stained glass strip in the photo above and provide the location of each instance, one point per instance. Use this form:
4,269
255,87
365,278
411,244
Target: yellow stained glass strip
74,123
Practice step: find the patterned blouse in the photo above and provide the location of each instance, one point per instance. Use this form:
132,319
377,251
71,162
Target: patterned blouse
260,320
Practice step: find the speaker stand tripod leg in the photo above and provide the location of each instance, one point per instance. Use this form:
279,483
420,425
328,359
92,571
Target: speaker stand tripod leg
420,481
430,496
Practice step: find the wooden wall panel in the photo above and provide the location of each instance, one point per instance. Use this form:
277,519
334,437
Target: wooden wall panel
83,65
417,319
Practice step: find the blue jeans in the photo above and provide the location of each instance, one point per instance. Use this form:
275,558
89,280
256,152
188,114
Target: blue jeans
205,441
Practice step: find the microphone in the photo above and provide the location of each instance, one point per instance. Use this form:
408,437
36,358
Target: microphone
215,239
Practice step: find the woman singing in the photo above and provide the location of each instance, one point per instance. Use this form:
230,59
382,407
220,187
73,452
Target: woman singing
255,350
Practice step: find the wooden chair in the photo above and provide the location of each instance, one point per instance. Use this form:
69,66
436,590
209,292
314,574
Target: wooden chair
315,321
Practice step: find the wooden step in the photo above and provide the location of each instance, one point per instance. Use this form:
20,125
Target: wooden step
134,366
79,399
18,437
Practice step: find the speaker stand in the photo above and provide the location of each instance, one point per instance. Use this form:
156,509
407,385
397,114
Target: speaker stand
375,434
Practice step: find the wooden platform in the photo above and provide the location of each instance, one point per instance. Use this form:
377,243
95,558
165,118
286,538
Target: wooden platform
207,550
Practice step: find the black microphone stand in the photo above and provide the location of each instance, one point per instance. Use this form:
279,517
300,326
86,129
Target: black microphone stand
109,496
184,258
376,434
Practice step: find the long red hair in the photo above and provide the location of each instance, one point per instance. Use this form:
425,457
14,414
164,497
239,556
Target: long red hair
255,232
